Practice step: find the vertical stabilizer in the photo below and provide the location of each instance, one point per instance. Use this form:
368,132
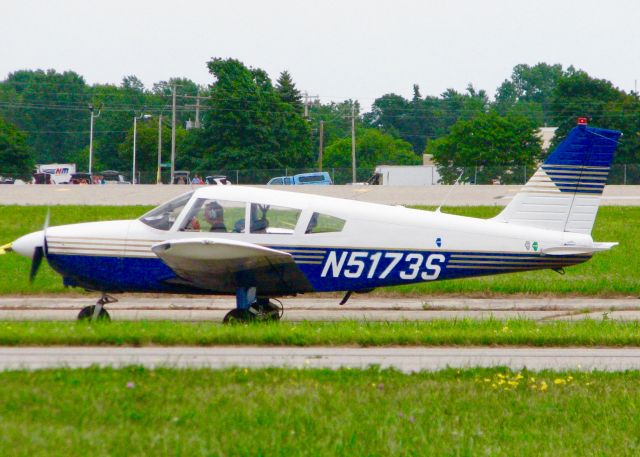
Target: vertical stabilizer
565,192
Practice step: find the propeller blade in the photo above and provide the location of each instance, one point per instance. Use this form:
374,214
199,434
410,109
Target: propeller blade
44,232
36,261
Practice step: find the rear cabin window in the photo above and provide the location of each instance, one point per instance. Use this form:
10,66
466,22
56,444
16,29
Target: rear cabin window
213,215
277,220
323,223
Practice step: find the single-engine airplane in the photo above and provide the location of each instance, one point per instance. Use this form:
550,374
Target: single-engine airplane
260,244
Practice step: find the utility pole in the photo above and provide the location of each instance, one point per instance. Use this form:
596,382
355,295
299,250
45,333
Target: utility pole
133,166
321,149
135,138
353,141
159,176
173,132
307,103
91,136
197,125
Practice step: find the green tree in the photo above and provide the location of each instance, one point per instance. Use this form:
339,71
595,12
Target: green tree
422,119
147,148
580,95
490,147
288,92
50,107
529,91
248,126
16,158
117,105
372,148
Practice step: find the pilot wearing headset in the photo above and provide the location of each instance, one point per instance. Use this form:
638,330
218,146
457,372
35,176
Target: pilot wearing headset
214,215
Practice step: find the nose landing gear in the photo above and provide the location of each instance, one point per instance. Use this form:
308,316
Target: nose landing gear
97,312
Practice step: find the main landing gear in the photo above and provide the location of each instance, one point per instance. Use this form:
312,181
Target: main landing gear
97,312
252,308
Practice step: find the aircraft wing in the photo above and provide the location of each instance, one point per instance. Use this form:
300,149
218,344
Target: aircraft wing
222,265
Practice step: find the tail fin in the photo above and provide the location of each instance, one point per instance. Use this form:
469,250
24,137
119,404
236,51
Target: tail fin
565,192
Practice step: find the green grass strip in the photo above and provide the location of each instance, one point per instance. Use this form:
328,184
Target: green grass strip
281,412
464,332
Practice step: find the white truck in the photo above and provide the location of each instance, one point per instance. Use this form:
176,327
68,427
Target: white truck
406,175
60,172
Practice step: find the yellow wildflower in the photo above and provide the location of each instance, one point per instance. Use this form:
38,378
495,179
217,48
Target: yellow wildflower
543,386
559,381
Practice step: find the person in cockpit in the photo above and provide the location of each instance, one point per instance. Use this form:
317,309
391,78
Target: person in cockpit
214,215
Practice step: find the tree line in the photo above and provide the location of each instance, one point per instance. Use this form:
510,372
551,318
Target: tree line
249,121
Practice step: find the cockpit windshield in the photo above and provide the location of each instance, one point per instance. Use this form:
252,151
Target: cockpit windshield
163,217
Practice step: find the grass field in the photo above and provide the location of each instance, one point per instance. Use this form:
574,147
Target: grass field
613,273
431,333
280,412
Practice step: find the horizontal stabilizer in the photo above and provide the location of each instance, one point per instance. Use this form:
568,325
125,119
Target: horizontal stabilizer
575,250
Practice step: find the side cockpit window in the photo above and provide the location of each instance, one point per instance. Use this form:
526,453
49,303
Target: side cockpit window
323,223
163,217
215,215
271,219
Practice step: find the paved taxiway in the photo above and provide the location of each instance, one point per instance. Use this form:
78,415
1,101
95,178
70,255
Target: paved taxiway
406,359
360,307
326,309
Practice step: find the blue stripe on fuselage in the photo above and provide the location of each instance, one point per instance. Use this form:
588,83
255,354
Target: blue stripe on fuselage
327,269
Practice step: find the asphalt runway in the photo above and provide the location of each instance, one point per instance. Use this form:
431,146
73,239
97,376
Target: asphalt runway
406,359
359,307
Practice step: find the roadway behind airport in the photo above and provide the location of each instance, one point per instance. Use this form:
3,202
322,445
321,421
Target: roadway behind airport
124,195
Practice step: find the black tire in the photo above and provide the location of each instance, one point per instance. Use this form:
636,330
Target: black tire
237,316
268,310
86,314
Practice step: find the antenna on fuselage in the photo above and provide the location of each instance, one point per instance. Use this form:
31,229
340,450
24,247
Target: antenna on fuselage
446,197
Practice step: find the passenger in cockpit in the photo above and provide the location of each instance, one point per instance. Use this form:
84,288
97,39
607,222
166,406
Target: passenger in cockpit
214,215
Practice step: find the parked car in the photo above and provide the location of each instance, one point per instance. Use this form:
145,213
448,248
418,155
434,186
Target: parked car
181,177
113,177
316,178
81,178
6,180
217,180
42,178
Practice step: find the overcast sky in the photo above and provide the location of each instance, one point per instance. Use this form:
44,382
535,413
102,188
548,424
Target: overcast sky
357,49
